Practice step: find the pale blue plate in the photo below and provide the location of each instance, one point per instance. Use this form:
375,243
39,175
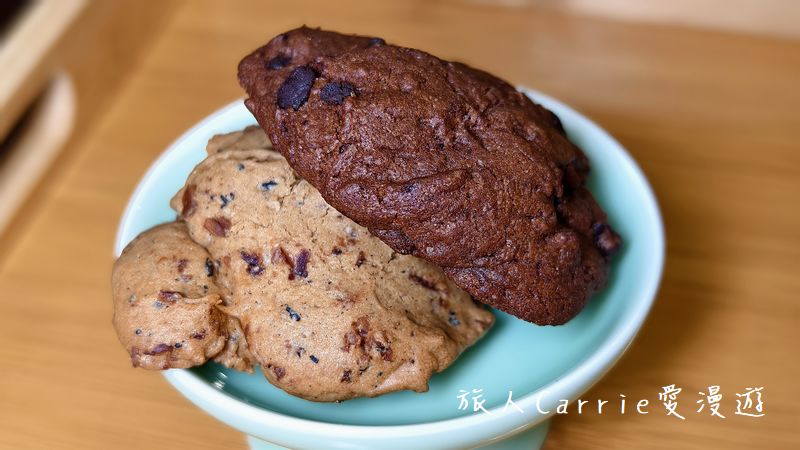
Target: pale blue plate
559,362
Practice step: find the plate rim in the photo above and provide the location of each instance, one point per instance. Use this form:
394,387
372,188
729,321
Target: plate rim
285,429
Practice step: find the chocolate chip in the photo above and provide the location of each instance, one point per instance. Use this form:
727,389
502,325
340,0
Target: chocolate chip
225,199
301,263
335,93
268,185
279,62
209,268
606,240
138,331
375,41
240,167
254,266
293,314
313,359
218,226
178,345
453,319
295,89
336,251
187,201
346,376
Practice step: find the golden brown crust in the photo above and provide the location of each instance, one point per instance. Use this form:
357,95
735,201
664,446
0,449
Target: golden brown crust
328,310
166,304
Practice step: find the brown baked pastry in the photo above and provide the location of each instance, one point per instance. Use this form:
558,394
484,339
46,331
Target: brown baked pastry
438,160
166,304
329,311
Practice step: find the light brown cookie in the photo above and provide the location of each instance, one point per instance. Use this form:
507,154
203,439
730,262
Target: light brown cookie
329,311
166,304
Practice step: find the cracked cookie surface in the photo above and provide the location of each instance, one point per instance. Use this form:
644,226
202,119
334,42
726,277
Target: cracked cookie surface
329,311
167,306
441,161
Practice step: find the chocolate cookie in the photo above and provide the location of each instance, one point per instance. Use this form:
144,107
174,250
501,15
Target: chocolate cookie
167,307
329,311
441,161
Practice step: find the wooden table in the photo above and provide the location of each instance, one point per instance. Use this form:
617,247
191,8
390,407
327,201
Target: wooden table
712,118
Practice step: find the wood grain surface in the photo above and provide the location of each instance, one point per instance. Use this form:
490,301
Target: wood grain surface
712,118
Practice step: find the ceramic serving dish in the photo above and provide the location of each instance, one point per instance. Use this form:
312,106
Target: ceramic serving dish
537,366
